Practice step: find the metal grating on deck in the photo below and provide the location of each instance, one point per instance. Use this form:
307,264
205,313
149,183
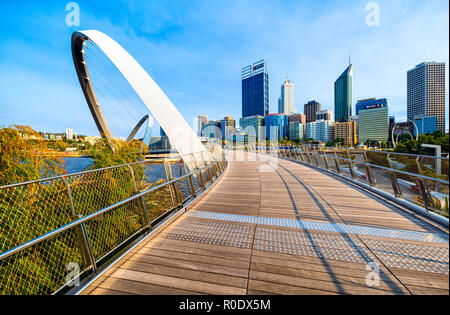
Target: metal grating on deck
326,227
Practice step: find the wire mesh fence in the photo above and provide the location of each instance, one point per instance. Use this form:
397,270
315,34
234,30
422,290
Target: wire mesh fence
422,180
29,211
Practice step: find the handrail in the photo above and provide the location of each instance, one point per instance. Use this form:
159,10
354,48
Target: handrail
81,173
78,222
429,203
398,153
385,168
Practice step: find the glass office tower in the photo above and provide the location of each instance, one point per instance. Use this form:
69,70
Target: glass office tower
343,95
370,103
426,92
277,127
255,90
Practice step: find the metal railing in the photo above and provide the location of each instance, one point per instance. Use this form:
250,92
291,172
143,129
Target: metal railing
425,187
59,230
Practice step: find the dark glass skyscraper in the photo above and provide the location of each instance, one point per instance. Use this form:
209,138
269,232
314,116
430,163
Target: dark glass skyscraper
311,108
343,95
255,90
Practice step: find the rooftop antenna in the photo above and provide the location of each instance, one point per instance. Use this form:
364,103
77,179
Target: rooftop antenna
349,59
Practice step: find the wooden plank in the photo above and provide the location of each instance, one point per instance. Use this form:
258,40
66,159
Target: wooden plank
139,288
178,283
144,265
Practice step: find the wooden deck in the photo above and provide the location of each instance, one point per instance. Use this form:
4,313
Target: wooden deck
207,251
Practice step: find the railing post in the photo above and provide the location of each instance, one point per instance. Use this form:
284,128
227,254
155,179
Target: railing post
338,168
350,165
208,169
394,180
145,218
426,196
82,235
302,157
316,158
199,174
325,159
173,189
309,158
190,182
369,173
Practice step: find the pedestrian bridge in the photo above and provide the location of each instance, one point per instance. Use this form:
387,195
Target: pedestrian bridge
275,226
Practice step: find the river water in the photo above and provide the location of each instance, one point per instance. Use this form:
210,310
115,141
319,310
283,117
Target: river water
80,164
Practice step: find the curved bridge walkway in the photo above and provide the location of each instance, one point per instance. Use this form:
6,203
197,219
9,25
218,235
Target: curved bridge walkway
278,227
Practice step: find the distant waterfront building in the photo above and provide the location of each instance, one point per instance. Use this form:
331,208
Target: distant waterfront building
162,133
69,134
426,124
347,132
296,131
255,90
343,95
426,92
370,103
227,126
301,118
321,130
286,102
212,130
276,126
202,121
311,108
374,124
355,119
324,115
253,126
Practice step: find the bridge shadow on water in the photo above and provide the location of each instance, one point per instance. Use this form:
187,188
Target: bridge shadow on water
337,283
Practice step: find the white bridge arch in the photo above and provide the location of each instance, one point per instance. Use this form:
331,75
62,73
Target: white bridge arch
181,135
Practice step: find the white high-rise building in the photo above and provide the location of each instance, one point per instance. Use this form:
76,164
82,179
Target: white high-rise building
426,92
322,130
69,134
286,101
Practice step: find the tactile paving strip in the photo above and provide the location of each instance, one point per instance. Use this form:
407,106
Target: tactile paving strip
327,227
225,234
411,256
327,246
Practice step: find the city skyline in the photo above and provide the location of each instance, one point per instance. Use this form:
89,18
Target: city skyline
32,63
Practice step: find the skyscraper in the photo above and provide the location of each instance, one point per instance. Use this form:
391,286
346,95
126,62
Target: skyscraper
347,132
286,102
255,90
253,126
343,95
324,115
426,124
322,130
69,134
227,126
426,92
370,103
277,127
311,108
374,124
202,121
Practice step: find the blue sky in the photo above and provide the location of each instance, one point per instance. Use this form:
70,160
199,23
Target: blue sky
195,49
